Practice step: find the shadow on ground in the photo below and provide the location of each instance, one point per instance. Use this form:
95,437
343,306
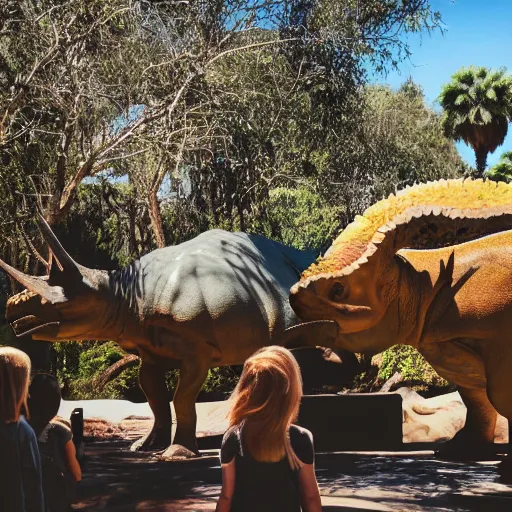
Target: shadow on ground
116,479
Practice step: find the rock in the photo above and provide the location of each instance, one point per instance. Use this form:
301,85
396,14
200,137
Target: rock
438,419
429,422
501,433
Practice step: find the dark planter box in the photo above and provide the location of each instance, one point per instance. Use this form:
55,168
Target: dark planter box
353,422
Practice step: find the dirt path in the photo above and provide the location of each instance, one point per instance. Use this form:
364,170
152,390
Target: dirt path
117,480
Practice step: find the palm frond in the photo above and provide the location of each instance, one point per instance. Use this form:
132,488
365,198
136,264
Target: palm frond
477,105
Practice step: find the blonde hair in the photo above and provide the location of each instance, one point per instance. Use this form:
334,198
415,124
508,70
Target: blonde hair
14,379
266,400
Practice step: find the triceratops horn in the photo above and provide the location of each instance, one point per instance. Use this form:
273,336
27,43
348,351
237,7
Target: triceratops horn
64,259
34,284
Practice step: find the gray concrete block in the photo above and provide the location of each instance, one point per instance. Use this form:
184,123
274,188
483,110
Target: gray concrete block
350,422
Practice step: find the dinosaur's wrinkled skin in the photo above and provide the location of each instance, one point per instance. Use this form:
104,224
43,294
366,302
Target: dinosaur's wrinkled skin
208,302
454,304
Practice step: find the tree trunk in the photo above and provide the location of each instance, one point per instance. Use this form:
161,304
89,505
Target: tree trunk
481,160
156,219
395,379
116,369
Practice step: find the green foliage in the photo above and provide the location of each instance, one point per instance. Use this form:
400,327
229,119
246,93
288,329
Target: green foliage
269,101
97,358
89,85
223,379
108,224
80,363
7,336
4,293
407,137
477,106
300,218
411,364
502,171
398,141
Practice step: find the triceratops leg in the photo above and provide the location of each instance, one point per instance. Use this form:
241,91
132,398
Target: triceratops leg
152,382
193,373
499,388
481,415
459,362
475,440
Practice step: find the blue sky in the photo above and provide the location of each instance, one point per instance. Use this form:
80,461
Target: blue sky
477,32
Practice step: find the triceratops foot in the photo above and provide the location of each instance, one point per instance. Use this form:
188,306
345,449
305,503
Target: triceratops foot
505,470
157,439
466,447
178,452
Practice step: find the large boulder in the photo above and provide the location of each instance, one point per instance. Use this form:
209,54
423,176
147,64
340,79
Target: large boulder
438,419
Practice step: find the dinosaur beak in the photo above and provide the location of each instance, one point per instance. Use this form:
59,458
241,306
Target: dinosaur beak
21,323
30,324
303,302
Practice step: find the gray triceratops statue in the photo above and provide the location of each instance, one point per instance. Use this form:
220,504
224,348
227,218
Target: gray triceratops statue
210,301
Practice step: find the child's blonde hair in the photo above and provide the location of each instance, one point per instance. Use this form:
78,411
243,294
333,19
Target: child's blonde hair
14,379
267,400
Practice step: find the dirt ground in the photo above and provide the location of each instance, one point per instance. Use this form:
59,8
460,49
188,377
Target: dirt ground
116,479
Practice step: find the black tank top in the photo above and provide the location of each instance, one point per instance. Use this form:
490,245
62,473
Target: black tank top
266,486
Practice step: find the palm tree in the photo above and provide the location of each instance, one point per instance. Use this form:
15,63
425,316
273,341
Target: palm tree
477,106
502,171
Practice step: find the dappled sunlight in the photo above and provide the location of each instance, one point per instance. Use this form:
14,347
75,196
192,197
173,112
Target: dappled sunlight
118,480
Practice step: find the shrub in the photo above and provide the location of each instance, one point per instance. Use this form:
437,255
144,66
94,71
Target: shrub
222,379
411,364
79,364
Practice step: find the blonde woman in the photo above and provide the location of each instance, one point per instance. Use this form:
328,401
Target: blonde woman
20,466
267,462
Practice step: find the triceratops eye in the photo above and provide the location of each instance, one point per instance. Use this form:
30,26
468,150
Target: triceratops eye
337,292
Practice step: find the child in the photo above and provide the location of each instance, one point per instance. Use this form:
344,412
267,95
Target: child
61,469
20,466
267,463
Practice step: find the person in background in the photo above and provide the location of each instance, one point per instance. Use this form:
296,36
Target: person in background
61,470
20,465
268,463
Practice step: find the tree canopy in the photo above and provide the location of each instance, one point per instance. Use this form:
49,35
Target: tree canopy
477,106
86,84
185,116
